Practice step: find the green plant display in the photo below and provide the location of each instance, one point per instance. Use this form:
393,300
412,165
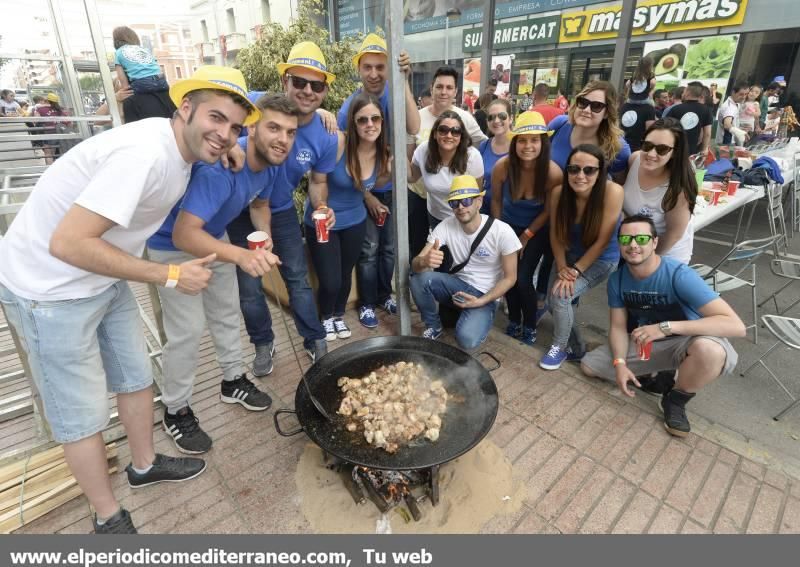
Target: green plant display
710,58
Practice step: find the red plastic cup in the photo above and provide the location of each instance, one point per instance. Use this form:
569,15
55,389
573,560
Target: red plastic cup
644,350
257,239
715,194
320,219
381,220
732,187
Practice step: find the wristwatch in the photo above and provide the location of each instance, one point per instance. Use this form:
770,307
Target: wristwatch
665,328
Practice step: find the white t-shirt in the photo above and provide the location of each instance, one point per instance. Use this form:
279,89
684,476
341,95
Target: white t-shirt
437,185
648,203
9,108
132,175
485,267
727,109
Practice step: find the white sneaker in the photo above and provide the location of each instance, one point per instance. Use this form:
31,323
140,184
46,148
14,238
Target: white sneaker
330,330
342,330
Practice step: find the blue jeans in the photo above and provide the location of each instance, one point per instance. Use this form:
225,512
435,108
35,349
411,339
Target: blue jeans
79,350
428,288
561,308
288,245
151,84
375,267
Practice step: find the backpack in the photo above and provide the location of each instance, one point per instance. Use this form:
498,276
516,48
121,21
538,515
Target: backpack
757,176
772,167
719,170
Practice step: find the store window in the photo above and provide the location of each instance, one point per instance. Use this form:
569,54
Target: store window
765,55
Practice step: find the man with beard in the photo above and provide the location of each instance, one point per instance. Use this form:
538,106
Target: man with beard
196,228
662,308
306,80
66,256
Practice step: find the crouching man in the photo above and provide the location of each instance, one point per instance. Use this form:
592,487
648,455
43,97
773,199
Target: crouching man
484,253
662,311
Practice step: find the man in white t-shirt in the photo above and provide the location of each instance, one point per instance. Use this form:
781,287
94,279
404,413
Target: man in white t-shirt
490,271
66,257
728,131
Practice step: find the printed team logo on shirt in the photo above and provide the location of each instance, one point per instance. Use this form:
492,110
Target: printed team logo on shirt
689,120
482,252
646,211
638,86
304,156
136,54
629,118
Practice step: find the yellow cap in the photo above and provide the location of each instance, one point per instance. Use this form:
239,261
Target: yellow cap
464,186
217,78
308,55
53,97
529,122
373,43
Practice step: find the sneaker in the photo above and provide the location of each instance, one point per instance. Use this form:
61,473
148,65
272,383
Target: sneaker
243,391
330,330
513,329
342,330
431,333
119,523
318,350
366,316
659,384
553,359
184,428
528,336
166,469
575,356
674,405
390,306
262,363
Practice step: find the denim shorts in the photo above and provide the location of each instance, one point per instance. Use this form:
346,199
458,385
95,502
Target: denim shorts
78,351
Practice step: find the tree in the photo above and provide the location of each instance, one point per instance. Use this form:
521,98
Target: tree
258,61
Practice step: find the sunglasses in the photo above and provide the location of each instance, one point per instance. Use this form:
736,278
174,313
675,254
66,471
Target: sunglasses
454,131
500,116
588,170
300,84
661,149
465,202
364,120
641,239
595,105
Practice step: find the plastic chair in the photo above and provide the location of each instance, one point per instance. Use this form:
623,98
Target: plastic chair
776,218
745,254
786,269
787,331
794,219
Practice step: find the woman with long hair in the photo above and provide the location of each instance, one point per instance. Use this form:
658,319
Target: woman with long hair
362,162
498,116
51,106
583,225
661,185
642,82
521,186
593,119
447,154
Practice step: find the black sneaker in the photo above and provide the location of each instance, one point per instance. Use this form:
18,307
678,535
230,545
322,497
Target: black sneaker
184,428
317,351
166,469
659,384
262,363
674,405
243,391
119,523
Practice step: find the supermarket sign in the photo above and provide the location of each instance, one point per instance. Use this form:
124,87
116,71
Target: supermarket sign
538,31
652,16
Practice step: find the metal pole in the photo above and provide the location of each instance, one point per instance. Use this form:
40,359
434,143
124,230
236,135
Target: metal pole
486,45
447,40
623,43
397,89
102,60
218,54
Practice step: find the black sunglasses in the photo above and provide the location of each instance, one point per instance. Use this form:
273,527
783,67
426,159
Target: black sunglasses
300,83
641,239
595,105
465,202
499,115
661,149
588,170
454,131
363,120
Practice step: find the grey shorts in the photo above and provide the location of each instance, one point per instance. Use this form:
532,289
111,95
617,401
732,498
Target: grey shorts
667,354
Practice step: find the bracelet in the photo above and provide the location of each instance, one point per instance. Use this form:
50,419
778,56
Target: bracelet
528,232
321,206
576,268
618,361
173,276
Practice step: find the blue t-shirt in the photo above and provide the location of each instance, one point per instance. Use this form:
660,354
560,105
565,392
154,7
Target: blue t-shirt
674,292
577,249
216,195
341,121
137,62
489,161
314,149
346,200
561,147
519,214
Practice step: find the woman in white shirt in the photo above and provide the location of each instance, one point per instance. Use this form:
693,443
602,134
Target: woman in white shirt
447,154
661,185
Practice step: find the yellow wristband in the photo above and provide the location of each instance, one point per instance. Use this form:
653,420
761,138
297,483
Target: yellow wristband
618,361
173,276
